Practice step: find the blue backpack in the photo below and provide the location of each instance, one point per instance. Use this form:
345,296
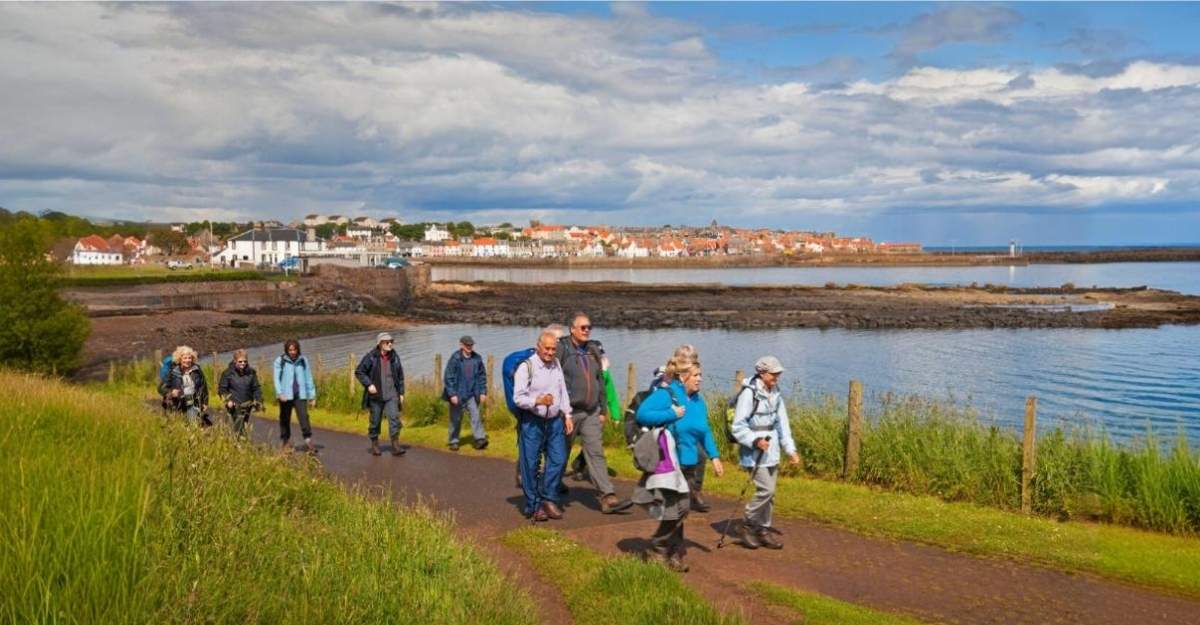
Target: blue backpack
508,372
164,373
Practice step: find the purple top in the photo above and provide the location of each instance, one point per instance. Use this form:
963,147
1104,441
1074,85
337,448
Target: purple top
665,465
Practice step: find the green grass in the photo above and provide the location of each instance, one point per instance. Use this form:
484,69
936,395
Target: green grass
815,609
970,524
600,590
110,515
126,275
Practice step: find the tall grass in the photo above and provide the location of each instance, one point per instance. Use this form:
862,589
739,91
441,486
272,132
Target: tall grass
110,515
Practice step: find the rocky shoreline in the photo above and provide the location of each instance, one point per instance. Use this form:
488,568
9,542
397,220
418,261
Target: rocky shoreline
713,306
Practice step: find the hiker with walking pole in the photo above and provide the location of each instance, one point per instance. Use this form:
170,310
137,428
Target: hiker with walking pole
544,420
187,389
761,428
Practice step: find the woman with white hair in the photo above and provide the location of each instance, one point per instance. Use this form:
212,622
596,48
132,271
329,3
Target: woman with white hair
187,389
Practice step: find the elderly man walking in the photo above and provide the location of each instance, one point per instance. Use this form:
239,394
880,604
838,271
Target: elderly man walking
581,359
382,378
540,393
465,387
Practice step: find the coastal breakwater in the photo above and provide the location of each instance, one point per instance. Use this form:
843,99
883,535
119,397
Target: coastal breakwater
330,289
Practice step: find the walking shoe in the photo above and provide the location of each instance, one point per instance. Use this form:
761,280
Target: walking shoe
310,447
767,538
397,450
748,536
375,450
699,504
453,446
676,563
552,510
480,444
539,516
285,446
609,504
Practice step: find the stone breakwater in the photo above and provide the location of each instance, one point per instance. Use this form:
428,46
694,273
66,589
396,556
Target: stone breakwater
714,306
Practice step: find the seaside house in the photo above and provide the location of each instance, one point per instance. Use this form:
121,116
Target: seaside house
436,234
489,247
94,250
268,246
312,221
633,248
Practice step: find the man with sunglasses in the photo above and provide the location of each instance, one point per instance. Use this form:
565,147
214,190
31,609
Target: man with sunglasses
382,378
239,386
581,359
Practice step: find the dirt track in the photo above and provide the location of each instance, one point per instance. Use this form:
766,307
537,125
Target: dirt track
936,585
715,306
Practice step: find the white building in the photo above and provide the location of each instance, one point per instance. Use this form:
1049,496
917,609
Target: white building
94,250
435,234
267,247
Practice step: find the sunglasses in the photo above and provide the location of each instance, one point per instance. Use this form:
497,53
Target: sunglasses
239,362
387,342
586,328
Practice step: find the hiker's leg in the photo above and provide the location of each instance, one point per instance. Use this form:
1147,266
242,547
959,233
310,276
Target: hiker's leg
285,421
374,418
392,408
455,423
477,430
660,540
530,439
592,448
302,417
758,510
701,469
556,459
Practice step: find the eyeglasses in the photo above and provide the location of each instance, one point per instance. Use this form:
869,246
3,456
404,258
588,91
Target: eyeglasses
586,328
239,362
387,342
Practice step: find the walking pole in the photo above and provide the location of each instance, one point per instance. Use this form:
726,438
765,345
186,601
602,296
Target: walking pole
738,505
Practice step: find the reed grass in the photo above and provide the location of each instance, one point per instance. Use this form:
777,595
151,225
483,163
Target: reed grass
111,515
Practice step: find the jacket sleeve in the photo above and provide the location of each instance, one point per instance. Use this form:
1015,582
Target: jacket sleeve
480,379
450,375
523,395
309,382
277,375
399,375
710,442
611,399
256,387
202,389
362,372
656,410
741,418
223,390
784,428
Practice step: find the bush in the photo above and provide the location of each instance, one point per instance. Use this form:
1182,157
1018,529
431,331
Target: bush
39,331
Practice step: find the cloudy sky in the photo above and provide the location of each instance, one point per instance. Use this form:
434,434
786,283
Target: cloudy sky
944,123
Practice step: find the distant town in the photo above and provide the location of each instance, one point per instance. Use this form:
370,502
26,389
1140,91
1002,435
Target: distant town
272,243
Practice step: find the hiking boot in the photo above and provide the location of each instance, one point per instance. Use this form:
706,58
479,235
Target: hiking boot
397,450
699,504
767,538
749,537
552,510
609,504
539,516
453,446
310,447
480,444
676,563
375,450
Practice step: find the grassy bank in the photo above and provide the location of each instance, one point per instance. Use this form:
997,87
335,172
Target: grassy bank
110,515
815,609
128,275
600,590
931,472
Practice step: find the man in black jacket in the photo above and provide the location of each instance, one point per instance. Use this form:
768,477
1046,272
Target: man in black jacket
382,378
238,386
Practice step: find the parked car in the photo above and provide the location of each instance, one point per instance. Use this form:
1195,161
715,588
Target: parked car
291,263
395,262
178,264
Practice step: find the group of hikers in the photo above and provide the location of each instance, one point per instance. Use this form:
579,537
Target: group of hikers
561,393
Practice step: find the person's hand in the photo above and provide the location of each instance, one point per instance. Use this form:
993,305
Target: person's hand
229,404
175,392
568,425
454,400
794,458
604,363
763,443
282,398
679,410
482,398
545,400
718,468
312,403
603,418
371,390
400,399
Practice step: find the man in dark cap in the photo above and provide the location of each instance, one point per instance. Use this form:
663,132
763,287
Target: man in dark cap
464,385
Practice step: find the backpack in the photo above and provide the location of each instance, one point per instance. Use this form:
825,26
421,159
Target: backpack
508,372
164,374
633,431
731,407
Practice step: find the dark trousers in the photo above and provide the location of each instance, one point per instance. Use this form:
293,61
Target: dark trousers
537,437
694,474
667,540
285,418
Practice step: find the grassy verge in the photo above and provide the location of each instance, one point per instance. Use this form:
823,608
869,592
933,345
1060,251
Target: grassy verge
122,276
109,515
600,590
814,609
1139,556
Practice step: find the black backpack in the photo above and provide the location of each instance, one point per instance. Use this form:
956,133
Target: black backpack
731,407
633,431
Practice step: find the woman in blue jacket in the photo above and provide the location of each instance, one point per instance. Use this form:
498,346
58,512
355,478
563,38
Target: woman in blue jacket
680,409
296,390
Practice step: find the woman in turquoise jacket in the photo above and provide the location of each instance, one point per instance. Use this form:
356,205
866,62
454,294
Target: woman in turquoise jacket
295,389
680,409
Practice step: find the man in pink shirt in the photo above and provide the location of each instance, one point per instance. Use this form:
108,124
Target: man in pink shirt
541,393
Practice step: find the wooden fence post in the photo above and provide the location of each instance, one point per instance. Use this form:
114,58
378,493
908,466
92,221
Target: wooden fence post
491,374
1029,454
853,429
350,371
630,383
739,378
320,368
437,374
112,371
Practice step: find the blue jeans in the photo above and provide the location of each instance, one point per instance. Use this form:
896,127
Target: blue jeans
537,437
378,408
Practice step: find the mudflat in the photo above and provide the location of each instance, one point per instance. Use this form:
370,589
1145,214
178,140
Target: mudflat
753,307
